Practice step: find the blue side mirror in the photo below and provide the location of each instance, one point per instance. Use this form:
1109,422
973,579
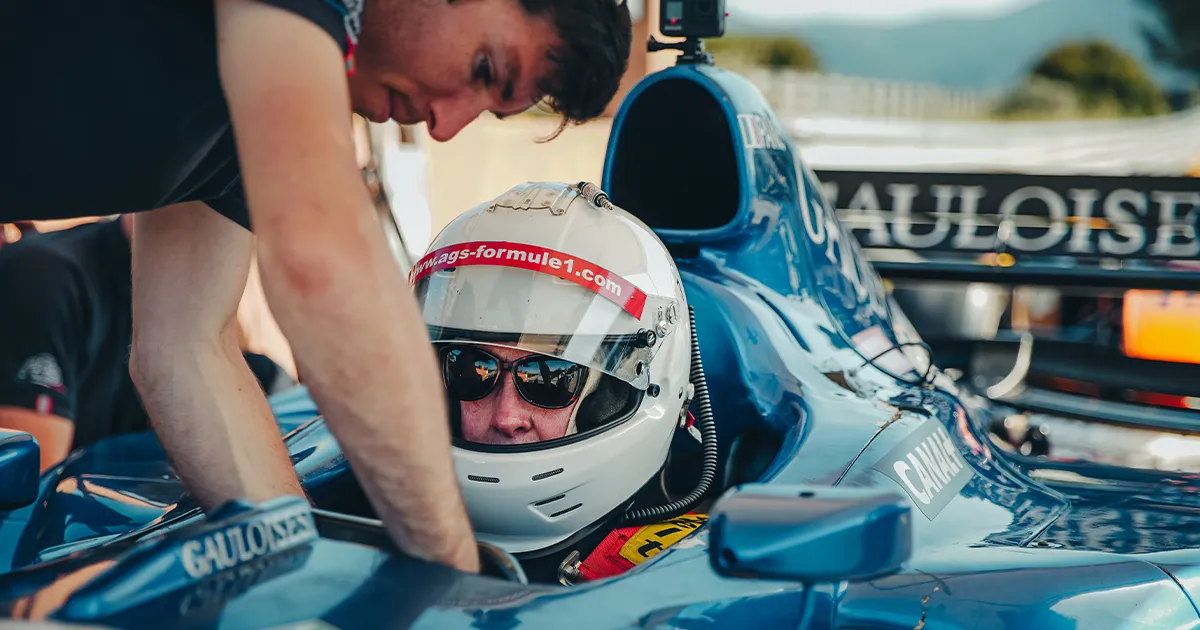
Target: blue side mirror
20,466
809,534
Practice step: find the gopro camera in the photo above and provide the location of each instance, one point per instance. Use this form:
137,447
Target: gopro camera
691,18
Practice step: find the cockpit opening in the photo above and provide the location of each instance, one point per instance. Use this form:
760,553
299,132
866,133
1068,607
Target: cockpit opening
674,165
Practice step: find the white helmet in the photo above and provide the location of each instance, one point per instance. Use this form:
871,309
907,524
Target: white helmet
556,270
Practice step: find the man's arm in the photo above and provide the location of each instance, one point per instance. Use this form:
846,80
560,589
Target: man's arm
331,281
189,270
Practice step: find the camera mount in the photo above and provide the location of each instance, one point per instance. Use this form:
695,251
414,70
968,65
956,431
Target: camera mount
692,49
693,20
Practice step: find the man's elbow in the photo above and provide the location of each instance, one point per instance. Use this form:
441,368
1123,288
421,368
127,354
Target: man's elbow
160,355
152,357
296,273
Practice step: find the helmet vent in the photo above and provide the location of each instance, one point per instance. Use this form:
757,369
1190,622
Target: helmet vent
483,479
550,500
541,476
572,508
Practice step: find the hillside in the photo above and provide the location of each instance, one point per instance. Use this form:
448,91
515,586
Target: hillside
969,52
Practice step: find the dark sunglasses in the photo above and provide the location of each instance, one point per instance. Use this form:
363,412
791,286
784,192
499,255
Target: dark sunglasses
547,382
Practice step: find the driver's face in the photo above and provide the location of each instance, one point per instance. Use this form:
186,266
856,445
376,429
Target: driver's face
503,417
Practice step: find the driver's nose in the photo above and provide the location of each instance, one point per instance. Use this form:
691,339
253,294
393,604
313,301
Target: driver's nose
512,417
449,116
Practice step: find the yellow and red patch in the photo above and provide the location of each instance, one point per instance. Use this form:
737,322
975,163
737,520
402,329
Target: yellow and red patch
628,547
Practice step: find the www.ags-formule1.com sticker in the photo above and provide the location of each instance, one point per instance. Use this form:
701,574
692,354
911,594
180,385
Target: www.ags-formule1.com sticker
586,274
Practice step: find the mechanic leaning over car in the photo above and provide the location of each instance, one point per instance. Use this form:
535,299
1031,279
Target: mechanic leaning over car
135,105
564,340
65,331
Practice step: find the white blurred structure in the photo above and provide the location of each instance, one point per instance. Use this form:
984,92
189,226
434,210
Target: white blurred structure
1119,446
794,93
855,123
1159,146
403,165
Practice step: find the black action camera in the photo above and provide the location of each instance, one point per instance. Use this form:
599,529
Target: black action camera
691,18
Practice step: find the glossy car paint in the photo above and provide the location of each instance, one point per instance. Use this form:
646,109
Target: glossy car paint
782,300
809,534
19,459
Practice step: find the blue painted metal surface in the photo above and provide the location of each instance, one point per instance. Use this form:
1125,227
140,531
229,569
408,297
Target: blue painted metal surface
788,316
809,534
19,468
237,536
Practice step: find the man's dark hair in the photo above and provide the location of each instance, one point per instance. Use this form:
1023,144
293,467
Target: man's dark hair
590,58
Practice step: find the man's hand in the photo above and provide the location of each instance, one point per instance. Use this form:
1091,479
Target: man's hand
331,281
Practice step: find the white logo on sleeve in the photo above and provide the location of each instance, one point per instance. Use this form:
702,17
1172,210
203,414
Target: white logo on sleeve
352,18
42,370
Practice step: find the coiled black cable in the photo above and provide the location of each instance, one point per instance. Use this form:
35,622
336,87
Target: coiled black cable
708,439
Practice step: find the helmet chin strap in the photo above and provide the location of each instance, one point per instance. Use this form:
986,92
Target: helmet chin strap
590,386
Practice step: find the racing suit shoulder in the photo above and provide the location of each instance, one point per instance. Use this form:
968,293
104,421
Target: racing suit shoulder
626,547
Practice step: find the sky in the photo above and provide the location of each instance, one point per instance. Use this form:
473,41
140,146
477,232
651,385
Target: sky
874,10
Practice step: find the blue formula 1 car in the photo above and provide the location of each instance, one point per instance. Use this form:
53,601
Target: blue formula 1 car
857,484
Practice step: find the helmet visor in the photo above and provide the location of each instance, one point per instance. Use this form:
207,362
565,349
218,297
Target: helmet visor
541,300
472,373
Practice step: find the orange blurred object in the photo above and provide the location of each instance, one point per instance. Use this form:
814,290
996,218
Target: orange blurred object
1162,325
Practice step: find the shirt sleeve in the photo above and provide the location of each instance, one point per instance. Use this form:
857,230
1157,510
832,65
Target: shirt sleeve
42,331
232,205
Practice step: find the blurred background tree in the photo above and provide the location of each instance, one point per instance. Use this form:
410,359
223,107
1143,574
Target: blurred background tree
776,53
1178,43
1040,99
788,53
1089,79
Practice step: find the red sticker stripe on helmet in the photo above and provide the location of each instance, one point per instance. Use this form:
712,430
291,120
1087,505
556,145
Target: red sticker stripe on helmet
548,261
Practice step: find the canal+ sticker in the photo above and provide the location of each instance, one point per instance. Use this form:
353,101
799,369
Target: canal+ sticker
929,466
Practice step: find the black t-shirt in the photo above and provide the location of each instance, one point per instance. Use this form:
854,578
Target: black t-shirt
66,327
115,106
